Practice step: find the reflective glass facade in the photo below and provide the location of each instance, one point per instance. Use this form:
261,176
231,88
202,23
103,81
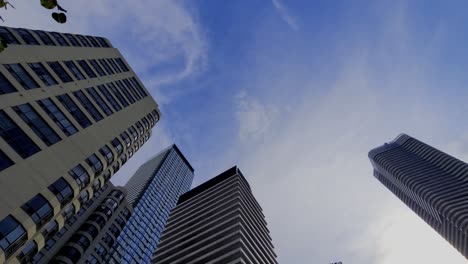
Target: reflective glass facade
153,191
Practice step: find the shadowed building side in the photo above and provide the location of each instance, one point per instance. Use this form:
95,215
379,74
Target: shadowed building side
219,221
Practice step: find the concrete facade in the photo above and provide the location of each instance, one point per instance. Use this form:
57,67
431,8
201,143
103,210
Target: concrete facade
219,221
120,103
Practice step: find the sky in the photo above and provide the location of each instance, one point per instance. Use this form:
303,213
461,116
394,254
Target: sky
296,93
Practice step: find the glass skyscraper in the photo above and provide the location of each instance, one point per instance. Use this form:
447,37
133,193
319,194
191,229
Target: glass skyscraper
152,191
430,182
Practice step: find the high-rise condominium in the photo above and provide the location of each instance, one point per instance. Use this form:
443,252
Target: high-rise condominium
72,112
153,191
432,183
87,236
219,222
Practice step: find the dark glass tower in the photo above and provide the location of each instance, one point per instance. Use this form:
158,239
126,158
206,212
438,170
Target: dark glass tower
217,222
152,191
432,183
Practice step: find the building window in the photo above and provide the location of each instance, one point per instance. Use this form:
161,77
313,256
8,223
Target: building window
140,127
74,110
60,39
80,175
117,94
71,253
85,66
94,162
97,68
125,92
114,230
103,42
109,98
99,220
84,196
5,161
12,235
126,138
134,91
122,64
90,229
93,42
26,36
107,175
57,116
62,191
138,87
99,101
134,132
117,145
28,252
86,103
5,85
8,36
39,209
61,73
68,212
83,40
44,37
49,243
22,76
114,65
100,250
81,240
108,240
120,221
116,167
118,194
92,260
37,124
15,137
50,229
72,40
107,153
106,66
42,73
74,70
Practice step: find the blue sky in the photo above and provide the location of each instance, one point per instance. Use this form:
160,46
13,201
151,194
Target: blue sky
296,93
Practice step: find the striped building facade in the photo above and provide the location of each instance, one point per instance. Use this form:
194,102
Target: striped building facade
219,222
72,112
432,183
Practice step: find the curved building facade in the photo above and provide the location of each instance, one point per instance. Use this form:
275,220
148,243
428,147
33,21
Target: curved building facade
432,183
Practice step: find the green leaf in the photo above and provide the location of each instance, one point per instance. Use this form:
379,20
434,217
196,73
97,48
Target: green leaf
59,17
49,4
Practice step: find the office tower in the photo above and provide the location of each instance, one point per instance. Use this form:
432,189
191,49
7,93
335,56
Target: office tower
71,113
152,191
219,221
432,183
87,236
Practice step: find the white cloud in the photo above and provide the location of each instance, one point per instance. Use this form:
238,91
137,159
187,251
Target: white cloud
285,15
254,117
311,173
149,33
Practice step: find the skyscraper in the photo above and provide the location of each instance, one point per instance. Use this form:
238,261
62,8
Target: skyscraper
432,183
219,221
152,191
72,113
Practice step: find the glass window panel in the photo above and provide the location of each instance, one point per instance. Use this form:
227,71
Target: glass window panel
60,39
122,64
95,163
60,71
85,66
117,94
5,161
72,40
125,91
39,209
57,116
109,97
93,42
83,40
103,42
106,66
97,68
8,36
44,37
43,73
86,103
26,36
15,137
74,70
22,76
99,101
37,124
74,110
62,191
80,175
5,85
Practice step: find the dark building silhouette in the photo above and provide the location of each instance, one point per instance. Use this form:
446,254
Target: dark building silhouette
432,183
217,222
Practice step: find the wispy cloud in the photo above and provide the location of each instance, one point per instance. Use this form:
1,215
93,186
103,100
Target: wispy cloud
285,15
254,117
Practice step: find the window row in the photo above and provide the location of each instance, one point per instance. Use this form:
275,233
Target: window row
34,37
24,78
